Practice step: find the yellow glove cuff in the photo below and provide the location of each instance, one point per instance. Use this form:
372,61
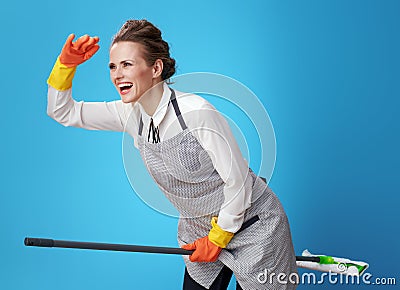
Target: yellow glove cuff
61,76
218,236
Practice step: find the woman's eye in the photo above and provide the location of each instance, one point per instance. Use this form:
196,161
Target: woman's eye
126,64
112,66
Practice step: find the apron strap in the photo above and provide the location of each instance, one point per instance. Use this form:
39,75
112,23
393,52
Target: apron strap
140,126
177,113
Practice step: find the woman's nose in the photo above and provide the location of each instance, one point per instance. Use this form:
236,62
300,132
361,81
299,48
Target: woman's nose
118,73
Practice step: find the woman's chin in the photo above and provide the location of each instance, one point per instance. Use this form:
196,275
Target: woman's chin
125,100
128,99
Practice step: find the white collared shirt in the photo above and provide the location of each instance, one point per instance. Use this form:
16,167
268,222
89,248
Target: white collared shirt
202,119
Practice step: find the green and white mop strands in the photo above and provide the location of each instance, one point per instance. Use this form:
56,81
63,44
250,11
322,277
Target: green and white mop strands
333,264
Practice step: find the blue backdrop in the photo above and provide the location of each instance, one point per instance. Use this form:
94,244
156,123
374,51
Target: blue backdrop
326,71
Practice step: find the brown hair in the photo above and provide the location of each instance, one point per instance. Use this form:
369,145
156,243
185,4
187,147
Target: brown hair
145,33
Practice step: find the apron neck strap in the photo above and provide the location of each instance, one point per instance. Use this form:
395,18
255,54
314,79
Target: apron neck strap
177,113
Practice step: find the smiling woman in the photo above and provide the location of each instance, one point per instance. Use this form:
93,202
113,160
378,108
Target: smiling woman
130,73
145,33
139,59
229,217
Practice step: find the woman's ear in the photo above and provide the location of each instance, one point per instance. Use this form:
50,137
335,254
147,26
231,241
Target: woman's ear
158,68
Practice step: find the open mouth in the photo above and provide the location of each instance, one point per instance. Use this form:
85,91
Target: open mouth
125,88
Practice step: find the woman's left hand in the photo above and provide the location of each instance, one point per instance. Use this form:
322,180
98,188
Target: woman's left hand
204,250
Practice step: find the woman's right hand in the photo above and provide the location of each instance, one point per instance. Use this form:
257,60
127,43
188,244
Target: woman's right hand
79,51
72,55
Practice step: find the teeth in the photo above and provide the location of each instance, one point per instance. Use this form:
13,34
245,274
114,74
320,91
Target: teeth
125,85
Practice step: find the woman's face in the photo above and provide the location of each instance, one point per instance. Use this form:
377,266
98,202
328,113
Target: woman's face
128,70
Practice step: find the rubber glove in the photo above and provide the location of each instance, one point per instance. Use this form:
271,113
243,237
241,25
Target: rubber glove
72,55
208,248
75,53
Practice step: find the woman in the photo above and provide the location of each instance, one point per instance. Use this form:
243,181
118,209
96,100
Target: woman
228,216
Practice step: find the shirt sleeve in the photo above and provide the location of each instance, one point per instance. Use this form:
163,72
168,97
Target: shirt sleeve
88,115
214,134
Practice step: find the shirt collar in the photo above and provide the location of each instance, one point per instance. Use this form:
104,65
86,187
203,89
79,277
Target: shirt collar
161,110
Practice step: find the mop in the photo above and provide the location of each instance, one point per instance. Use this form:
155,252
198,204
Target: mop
307,260
332,264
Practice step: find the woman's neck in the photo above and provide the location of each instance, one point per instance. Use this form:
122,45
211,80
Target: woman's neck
152,98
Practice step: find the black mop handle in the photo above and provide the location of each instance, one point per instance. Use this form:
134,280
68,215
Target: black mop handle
49,243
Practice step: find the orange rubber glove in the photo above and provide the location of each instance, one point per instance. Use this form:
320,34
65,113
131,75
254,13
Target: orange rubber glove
207,249
72,55
204,250
75,53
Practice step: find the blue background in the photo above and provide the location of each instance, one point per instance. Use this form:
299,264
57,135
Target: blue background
327,72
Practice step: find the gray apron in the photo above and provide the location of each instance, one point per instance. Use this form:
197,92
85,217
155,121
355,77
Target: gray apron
184,172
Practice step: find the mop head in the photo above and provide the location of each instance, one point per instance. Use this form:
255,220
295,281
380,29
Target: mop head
333,264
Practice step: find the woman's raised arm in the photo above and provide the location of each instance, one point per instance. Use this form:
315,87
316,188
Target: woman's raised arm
62,107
